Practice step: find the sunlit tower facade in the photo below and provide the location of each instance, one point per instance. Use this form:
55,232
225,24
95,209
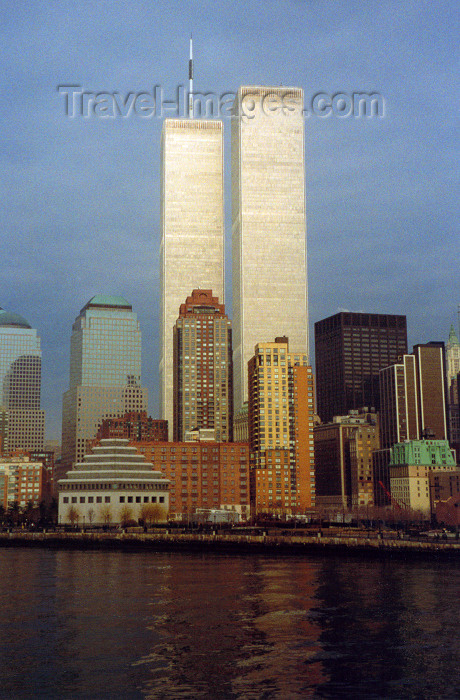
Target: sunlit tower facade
268,224
203,377
105,372
453,382
280,424
20,375
192,221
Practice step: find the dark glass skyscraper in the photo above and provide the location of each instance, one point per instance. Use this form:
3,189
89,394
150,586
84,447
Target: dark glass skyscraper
350,350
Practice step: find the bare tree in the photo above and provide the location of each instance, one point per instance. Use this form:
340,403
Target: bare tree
106,514
73,515
126,514
152,513
91,515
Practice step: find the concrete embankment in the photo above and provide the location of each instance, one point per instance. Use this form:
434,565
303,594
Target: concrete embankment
230,543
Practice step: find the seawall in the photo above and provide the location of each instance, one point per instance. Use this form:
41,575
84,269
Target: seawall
230,543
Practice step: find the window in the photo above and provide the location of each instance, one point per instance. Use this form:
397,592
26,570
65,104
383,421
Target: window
98,499
130,499
107,499
122,499
65,499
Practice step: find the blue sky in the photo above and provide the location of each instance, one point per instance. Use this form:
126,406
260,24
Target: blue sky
80,212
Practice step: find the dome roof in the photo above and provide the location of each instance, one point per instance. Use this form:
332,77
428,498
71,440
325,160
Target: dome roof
15,320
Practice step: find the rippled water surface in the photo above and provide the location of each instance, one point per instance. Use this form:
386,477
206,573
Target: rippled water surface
147,625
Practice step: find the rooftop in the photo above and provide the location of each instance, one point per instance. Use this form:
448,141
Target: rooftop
107,301
13,320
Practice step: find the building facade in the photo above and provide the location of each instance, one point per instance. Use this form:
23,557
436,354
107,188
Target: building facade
112,485
430,363
192,220
134,425
350,351
411,465
453,381
280,427
22,420
399,417
268,224
105,372
202,474
343,460
202,368
24,480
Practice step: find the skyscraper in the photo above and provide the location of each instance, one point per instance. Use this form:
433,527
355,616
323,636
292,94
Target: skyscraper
453,381
20,376
430,362
105,372
399,419
350,351
203,377
280,412
192,244
268,224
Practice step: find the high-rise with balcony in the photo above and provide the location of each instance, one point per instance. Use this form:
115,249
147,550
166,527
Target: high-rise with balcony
280,425
268,224
203,396
20,375
105,372
192,221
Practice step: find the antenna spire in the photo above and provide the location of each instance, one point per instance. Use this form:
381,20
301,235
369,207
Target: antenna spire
190,80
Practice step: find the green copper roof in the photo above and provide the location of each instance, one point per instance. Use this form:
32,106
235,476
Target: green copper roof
15,320
107,301
428,453
453,340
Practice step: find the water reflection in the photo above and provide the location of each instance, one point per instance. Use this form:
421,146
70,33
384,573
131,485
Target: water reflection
134,625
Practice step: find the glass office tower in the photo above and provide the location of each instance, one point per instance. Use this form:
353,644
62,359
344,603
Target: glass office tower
20,376
105,372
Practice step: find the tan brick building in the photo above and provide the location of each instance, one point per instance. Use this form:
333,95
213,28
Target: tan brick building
280,420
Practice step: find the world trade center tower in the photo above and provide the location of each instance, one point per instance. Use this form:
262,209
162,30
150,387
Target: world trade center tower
268,225
192,244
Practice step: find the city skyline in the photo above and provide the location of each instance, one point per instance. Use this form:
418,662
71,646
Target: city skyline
82,195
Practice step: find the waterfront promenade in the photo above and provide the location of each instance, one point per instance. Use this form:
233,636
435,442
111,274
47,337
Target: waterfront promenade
227,542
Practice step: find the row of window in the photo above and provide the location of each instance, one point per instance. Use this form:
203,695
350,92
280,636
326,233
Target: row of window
107,499
99,487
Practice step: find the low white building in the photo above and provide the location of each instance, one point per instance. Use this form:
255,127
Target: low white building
113,485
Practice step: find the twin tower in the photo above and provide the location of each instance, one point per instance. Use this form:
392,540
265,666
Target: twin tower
269,276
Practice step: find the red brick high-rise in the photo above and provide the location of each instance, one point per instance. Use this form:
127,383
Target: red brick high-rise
202,366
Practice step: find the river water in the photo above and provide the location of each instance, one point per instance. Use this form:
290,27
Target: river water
154,625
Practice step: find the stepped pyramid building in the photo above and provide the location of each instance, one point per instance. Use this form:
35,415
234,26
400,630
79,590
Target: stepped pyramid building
113,484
